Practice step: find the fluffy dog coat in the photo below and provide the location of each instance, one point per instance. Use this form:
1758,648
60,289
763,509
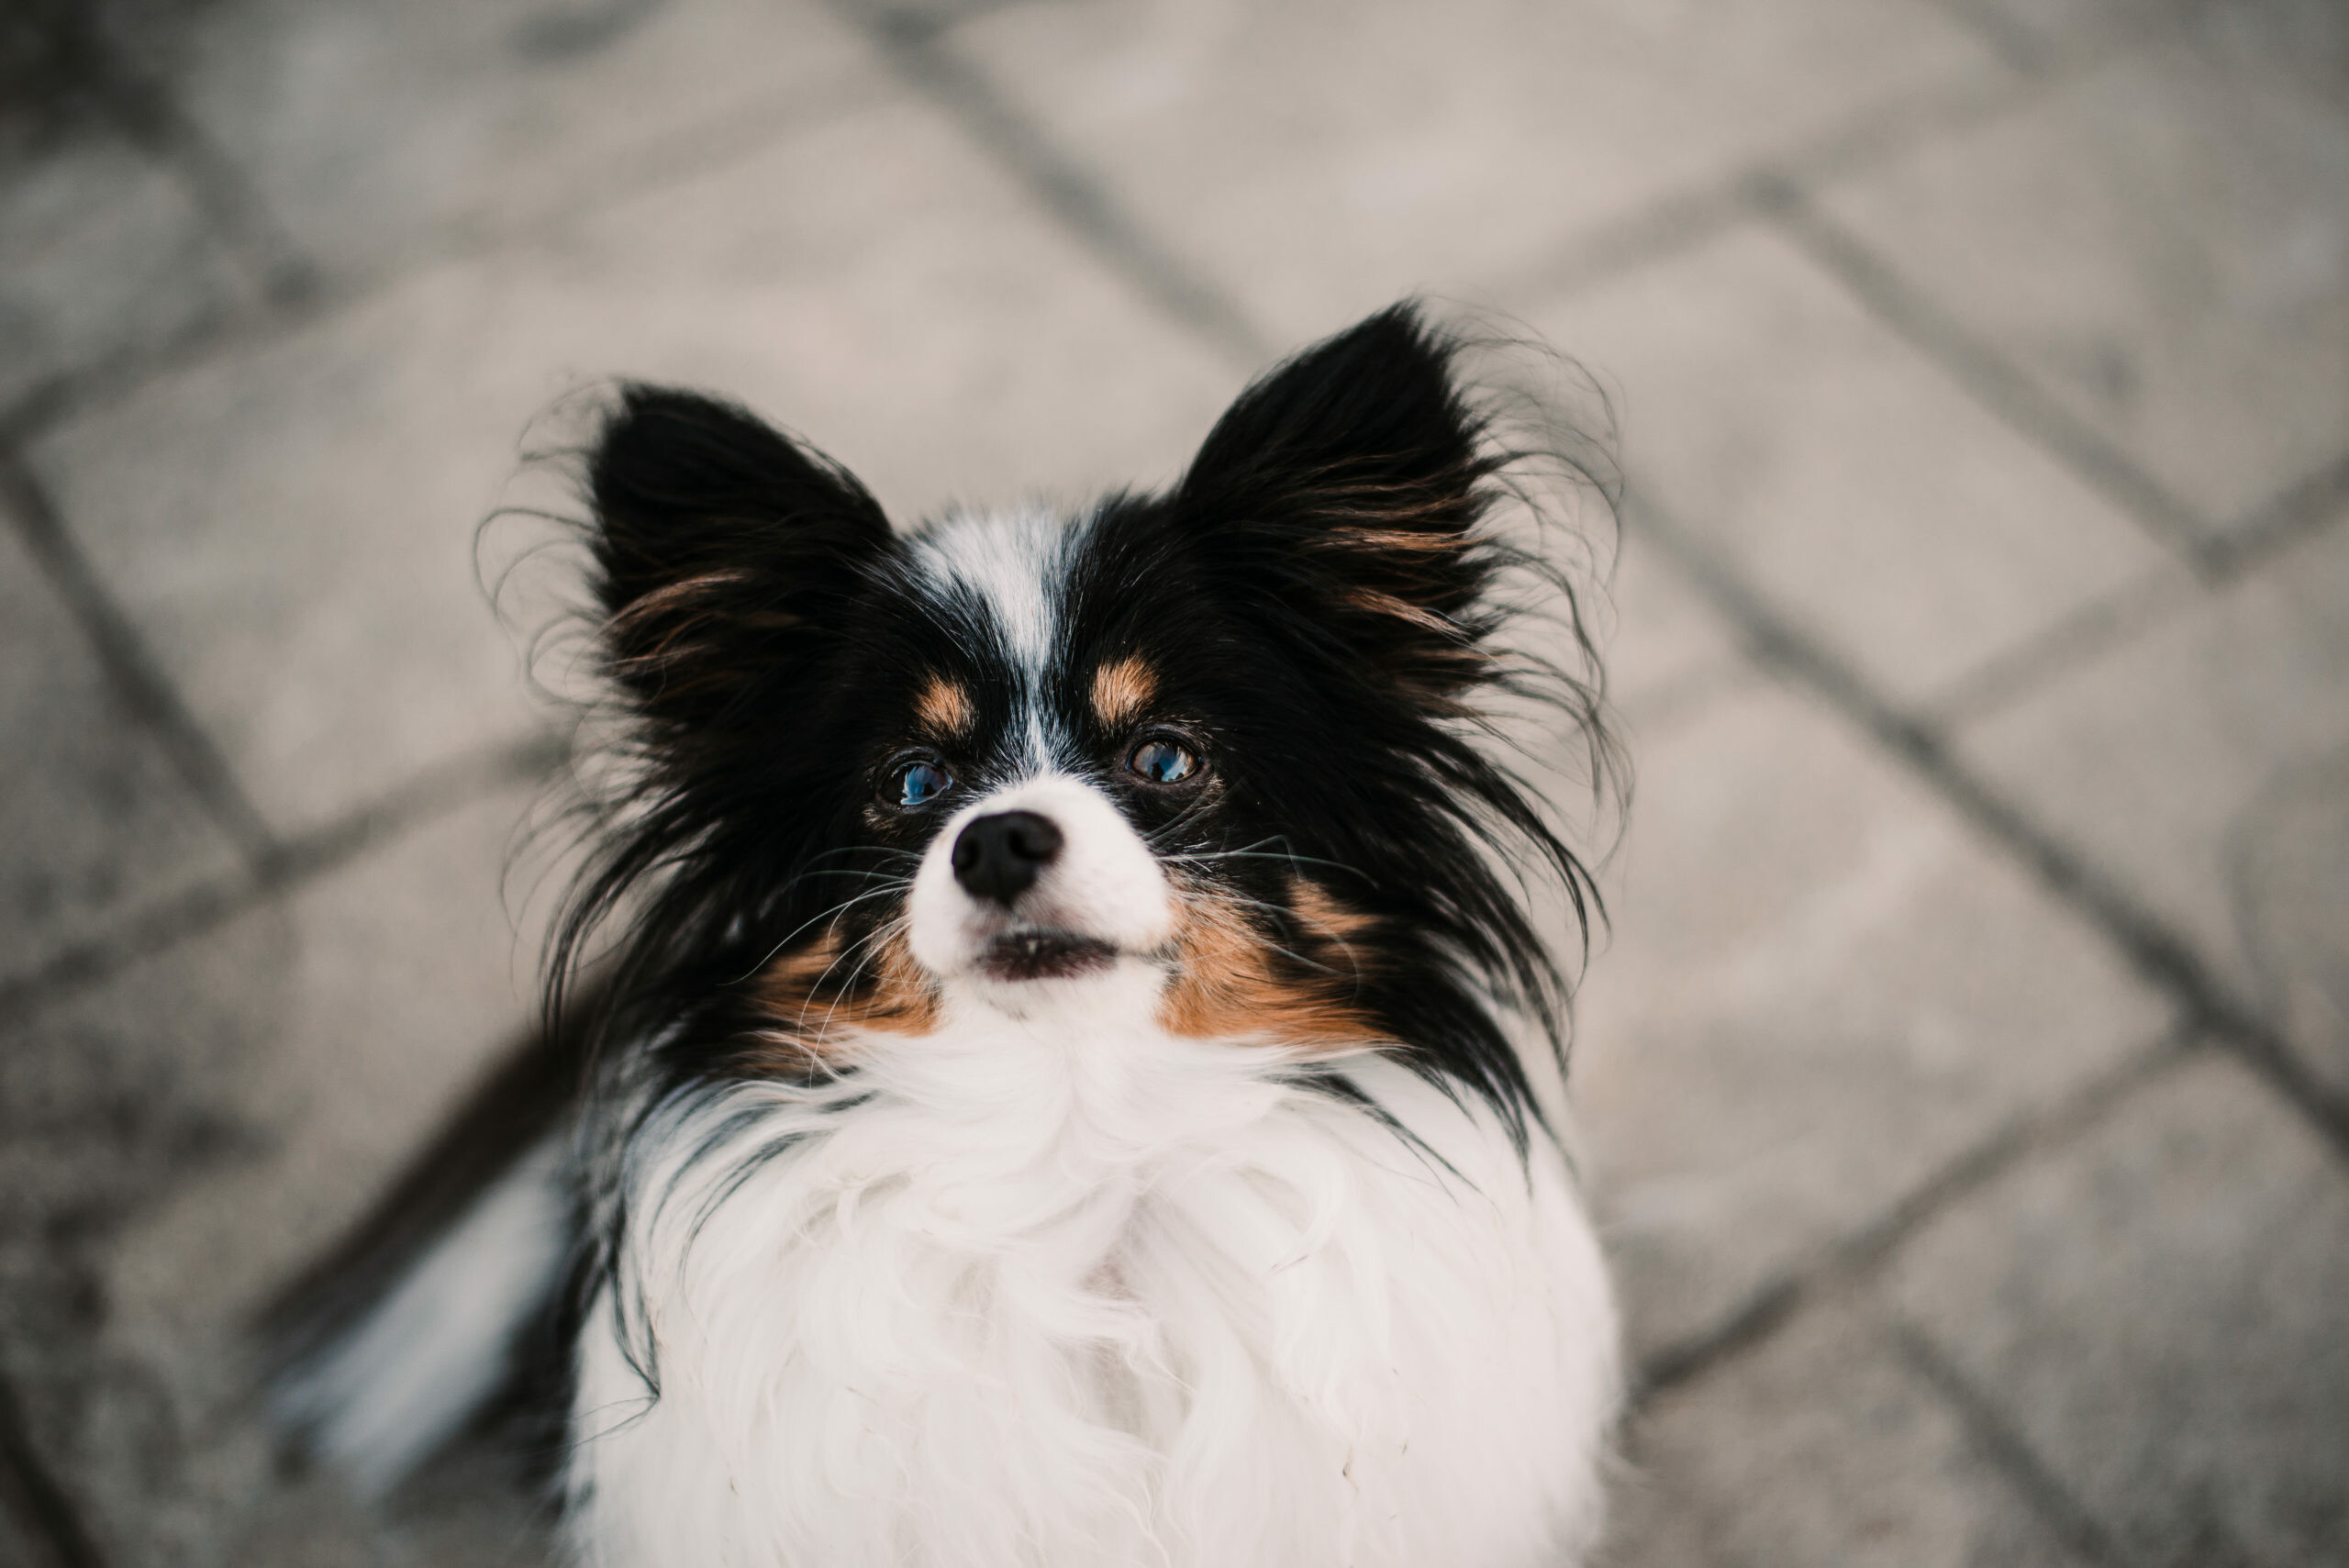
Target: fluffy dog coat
1049,1091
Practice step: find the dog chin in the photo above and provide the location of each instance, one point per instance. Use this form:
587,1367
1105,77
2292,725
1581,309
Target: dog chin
1042,952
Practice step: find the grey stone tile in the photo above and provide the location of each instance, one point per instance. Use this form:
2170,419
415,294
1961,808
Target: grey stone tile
2158,1312
1821,1447
405,971
293,525
103,256
2162,247
94,818
2311,37
1820,990
104,1104
376,131
1669,648
1842,473
2205,768
1319,160
2046,30
183,1140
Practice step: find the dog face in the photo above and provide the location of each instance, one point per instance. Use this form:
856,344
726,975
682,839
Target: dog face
1206,753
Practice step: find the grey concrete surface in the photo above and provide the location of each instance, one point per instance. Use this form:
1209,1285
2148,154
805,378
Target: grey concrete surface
94,815
2157,246
2201,768
1825,1446
1794,1031
1966,1072
2075,1299
104,256
1852,480
381,134
1318,159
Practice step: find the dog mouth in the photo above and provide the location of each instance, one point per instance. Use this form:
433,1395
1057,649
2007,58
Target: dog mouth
1043,953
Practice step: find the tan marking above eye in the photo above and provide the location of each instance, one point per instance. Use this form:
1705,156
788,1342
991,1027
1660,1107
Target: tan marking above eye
1122,691
944,708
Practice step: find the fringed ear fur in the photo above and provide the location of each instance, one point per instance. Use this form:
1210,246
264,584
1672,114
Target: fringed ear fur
724,552
1349,481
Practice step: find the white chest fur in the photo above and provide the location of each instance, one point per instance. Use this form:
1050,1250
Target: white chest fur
1026,1296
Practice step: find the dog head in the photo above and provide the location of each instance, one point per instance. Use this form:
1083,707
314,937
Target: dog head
1209,756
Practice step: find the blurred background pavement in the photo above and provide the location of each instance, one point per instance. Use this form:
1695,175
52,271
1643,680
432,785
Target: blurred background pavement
1968,1071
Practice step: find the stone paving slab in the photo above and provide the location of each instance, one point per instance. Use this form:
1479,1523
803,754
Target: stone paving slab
1318,160
2311,37
375,132
407,969
1821,990
103,255
106,1103
93,818
2162,246
1824,987
1841,471
293,523
2205,767
205,1126
1666,646
2158,1312
1824,1447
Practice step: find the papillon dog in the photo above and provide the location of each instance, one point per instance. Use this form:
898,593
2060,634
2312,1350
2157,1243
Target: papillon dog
1046,1063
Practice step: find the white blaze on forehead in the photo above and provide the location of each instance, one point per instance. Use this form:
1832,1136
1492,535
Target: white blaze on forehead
1012,561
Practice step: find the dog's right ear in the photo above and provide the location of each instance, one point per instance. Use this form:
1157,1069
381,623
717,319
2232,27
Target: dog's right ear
725,552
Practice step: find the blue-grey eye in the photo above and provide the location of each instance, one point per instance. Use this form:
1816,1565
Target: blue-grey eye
918,784
1162,761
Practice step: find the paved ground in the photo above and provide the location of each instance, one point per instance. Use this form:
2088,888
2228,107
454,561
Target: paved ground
1969,1072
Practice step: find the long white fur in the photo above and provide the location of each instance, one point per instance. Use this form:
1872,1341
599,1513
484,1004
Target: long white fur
1072,1296
380,1399
1051,1286
1046,1288
1011,561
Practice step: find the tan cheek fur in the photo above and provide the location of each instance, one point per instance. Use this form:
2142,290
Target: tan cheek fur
816,994
1226,985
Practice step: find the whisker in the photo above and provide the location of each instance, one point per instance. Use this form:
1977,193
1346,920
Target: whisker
1241,901
874,942
832,913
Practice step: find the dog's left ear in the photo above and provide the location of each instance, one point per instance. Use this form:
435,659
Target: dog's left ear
1347,483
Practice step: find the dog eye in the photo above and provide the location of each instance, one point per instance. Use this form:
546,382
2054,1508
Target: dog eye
1162,761
918,784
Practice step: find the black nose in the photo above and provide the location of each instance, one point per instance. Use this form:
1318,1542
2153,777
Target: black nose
999,856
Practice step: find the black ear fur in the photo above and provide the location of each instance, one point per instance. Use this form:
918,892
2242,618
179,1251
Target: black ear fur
1349,481
724,551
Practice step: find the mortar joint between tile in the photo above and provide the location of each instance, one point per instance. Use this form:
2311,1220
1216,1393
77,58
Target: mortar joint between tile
295,862
132,670
1862,1254
1996,1438
2163,957
2000,388
2307,507
144,110
1075,197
